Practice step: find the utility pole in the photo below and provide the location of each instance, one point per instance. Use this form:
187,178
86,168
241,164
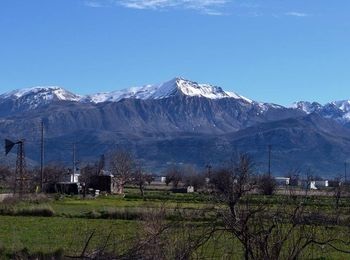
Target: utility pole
345,171
269,171
42,157
74,159
208,166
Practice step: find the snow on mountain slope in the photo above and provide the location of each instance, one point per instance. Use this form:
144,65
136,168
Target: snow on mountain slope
338,110
307,107
36,96
343,105
157,91
164,90
44,93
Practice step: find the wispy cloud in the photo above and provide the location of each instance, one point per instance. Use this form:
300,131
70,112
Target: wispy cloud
249,8
297,14
209,7
93,4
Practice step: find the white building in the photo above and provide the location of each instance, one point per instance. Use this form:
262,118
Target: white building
322,184
282,180
190,189
74,178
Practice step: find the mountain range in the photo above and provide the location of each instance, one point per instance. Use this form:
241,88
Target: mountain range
179,121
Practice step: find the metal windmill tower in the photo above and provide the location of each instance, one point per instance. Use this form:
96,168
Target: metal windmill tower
20,174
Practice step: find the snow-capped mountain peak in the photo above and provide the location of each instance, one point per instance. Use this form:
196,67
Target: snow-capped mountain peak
343,105
30,98
36,96
190,88
164,90
44,93
307,107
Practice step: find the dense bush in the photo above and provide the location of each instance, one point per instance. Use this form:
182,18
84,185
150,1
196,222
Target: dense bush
40,211
36,210
27,205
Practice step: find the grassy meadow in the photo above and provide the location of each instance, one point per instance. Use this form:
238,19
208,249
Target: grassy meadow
63,224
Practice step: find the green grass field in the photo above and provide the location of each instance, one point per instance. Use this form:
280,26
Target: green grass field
116,218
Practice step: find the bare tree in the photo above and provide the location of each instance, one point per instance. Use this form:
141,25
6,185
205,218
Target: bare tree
173,175
264,231
337,195
293,176
140,178
266,184
162,239
149,178
193,177
6,177
234,182
54,173
309,177
122,167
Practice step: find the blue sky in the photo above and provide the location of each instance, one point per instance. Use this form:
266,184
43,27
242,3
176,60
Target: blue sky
269,50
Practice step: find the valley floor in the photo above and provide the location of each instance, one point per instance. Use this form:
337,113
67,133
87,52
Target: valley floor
62,225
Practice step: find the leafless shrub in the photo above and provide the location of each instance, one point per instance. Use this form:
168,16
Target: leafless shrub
266,184
193,178
266,232
173,175
6,177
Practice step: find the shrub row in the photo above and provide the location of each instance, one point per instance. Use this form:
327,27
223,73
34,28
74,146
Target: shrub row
36,210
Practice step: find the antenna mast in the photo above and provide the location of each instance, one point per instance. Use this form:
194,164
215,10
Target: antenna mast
21,168
20,174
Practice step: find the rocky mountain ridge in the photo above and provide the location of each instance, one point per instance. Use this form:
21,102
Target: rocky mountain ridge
179,121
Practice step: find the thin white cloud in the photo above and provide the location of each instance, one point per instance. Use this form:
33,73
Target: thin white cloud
93,4
209,7
247,8
297,14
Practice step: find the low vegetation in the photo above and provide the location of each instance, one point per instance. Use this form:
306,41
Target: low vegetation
237,215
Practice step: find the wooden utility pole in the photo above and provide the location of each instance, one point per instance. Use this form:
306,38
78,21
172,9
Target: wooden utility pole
208,166
42,157
345,171
269,170
74,159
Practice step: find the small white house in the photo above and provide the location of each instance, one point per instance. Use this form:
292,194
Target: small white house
282,181
74,178
71,177
313,185
322,184
162,179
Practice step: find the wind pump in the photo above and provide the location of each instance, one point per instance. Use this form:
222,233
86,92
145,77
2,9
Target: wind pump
20,174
